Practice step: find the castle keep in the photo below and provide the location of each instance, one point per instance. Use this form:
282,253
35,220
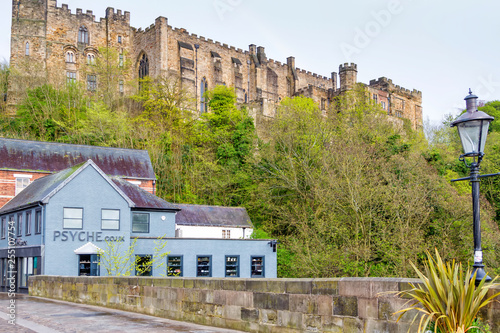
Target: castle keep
65,44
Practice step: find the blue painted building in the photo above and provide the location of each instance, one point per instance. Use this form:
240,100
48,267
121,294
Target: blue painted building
59,224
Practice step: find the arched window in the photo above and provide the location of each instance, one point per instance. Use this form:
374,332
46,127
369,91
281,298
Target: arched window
27,49
83,35
70,56
203,89
90,59
143,67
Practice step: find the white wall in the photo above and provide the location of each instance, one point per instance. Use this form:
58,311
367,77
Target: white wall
210,232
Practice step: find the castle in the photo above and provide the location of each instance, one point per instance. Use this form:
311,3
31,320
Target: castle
64,43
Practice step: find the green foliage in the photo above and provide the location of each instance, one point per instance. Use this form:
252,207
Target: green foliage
447,296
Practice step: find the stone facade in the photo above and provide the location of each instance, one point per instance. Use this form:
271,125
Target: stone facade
341,305
44,34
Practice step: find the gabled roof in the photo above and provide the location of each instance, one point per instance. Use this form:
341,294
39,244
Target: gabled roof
141,198
42,189
88,248
53,157
213,216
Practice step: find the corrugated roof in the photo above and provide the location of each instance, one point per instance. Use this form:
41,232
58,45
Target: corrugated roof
53,157
142,198
213,216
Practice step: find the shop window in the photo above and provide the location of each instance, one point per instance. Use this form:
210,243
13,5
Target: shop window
257,267
70,57
37,270
204,266
140,222
22,182
143,265
73,218
226,233
27,49
174,266
83,35
88,265
70,77
232,266
28,223
19,224
110,219
38,221
91,82
3,277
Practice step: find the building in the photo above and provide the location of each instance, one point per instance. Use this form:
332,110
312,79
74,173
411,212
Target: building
58,224
197,221
23,161
47,39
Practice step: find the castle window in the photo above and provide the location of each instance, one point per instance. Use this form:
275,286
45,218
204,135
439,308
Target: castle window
70,56
382,103
375,98
120,39
143,67
121,86
27,49
83,35
70,77
91,82
90,59
121,60
203,89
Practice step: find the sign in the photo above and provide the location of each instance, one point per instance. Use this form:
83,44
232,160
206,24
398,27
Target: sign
85,236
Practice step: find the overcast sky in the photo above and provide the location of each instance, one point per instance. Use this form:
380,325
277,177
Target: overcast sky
442,48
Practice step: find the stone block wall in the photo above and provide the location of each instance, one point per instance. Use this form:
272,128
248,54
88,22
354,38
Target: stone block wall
253,305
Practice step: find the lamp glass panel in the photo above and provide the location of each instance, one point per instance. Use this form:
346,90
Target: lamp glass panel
469,135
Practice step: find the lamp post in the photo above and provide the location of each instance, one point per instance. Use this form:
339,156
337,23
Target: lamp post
473,128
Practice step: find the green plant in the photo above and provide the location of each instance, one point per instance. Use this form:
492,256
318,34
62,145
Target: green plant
447,296
478,327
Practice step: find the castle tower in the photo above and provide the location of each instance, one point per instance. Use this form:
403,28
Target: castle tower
27,46
348,74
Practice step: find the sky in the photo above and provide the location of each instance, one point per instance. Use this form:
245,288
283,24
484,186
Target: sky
441,48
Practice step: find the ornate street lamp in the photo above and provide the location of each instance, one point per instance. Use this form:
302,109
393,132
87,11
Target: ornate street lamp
473,129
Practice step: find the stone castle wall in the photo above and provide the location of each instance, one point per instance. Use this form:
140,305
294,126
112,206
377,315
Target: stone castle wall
349,305
259,81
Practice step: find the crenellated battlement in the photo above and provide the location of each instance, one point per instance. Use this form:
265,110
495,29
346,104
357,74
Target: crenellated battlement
348,67
385,82
110,13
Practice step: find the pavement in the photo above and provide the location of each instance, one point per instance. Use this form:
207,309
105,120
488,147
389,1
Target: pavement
35,314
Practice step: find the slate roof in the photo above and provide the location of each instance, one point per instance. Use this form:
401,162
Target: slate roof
213,216
52,157
42,189
142,198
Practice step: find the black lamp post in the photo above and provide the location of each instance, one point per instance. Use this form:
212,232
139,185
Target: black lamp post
473,129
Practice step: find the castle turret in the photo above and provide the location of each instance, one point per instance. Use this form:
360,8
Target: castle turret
348,74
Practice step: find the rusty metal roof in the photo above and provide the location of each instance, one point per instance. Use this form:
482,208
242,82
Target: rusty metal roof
213,216
142,198
53,157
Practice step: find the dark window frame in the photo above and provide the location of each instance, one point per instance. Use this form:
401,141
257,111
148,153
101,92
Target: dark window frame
38,221
64,218
238,263
149,271
19,224
181,265
262,264
148,223
28,223
198,273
